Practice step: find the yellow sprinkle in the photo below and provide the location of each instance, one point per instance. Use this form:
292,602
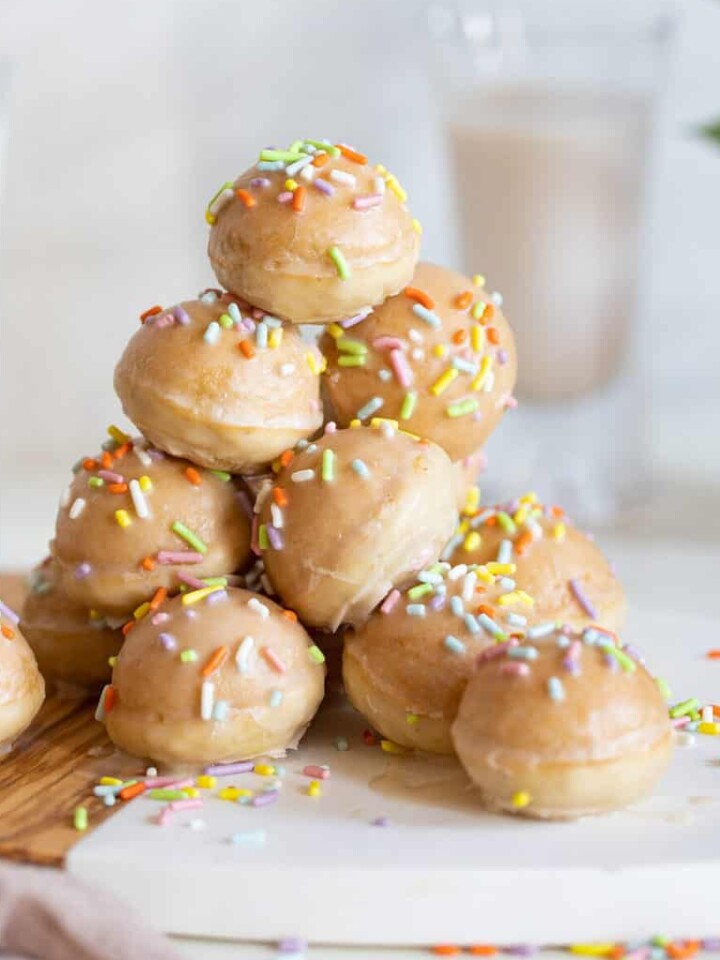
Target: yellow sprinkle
145,483
194,595
118,435
335,331
463,526
528,497
316,365
234,793
439,350
472,541
191,792
417,226
521,799
412,718
112,661
264,770
275,338
485,368
140,611
708,727
380,168
477,338
520,515
483,574
314,789
395,187
525,598
406,433
94,615
389,746
110,782
478,310
508,598
558,531
501,569
354,424
210,218
443,381
291,184
472,499
592,949
378,422
205,782
123,518
478,280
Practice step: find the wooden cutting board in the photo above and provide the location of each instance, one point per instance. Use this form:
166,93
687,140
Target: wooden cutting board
50,772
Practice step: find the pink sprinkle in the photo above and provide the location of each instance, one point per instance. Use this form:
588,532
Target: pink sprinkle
511,403
316,773
498,650
179,556
574,650
156,783
680,721
389,343
190,804
111,476
164,817
190,581
166,320
401,368
285,197
257,313
515,669
274,660
367,201
390,602
330,427
160,618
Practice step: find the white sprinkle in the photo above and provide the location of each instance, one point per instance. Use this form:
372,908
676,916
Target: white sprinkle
340,176
276,698
379,185
277,516
415,335
77,508
207,699
143,456
417,354
468,587
489,384
457,572
242,657
708,715
212,332
385,375
307,173
151,772
505,551
139,501
302,476
286,369
387,430
258,607
497,299
65,497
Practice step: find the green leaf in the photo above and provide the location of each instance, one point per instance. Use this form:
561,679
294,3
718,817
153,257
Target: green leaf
711,131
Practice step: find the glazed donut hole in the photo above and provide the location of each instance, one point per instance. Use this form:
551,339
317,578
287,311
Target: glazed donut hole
214,675
223,384
312,234
352,515
22,689
134,521
563,727
439,357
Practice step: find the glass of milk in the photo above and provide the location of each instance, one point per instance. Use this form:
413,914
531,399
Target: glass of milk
548,113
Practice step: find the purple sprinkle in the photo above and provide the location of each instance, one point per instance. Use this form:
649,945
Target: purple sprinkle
265,799
358,318
275,537
572,666
502,357
9,613
155,454
633,652
159,618
380,822
285,197
168,641
521,950
191,614
229,769
247,325
437,602
582,598
82,570
165,320
712,943
190,580
292,945
611,662
260,182
216,597
324,187
182,316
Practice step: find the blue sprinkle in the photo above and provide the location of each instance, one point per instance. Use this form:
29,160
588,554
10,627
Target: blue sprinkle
556,688
261,335
427,315
360,468
371,407
276,698
516,620
270,165
454,645
472,624
451,546
541,630
221,708
488,624
505,551
465,365
415,609
522,653
457,606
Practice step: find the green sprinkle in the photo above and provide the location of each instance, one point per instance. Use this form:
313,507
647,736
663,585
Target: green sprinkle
506,522
415,593
687,706
316,654
96,482
408,405
347,345
263,541
462,409
328,466
225,321
664,688
189,656
80,819
287,156
412,718
341,264
221,475
626,662
350,360
329,148
112,661
192,539
478,310
166,794
215,581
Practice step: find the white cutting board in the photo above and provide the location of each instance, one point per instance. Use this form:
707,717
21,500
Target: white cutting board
443,870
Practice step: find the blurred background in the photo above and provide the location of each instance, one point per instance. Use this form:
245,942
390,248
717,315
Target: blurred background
552,146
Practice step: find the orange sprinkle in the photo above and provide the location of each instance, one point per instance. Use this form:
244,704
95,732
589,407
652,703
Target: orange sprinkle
117,487
523,542
298,200
557,512
414,294
89,464
7,632
320,159
193,476
147,563
290,615
493,335
286,457
246,197
445,950
214,662
713,654
280,496
491,522
460,336
158,597
129,793
716,710
127,627
111,698
106,460
463,300
488,313
617,952
150,313
247,349
488,611
351,154
482,950
122,450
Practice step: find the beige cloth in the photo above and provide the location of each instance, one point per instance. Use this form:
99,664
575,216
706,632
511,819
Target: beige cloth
46,914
